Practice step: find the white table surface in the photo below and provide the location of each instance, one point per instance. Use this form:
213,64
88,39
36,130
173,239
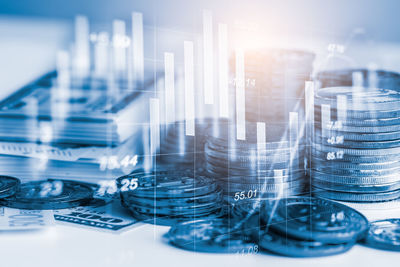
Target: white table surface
27,49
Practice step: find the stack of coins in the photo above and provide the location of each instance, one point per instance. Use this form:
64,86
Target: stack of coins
167,196
296,227
44,194
250,169
309,227
359,77
356,144
274,82
178,148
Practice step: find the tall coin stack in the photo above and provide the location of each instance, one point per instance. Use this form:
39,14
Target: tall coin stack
359,77
168,196
274,81
178,148
250,169
356,144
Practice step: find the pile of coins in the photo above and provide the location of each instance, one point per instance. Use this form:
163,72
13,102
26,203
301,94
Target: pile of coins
297,227
274,82
356,145
44,194
178,148
359,77
247,169
167,196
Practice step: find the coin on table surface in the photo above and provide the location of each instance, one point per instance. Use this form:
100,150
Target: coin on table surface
8,186
49,194
315,219
384,234
287,246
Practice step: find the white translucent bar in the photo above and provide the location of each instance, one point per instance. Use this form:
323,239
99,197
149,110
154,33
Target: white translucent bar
169,77
261,141
147,159
372,79
341,106
189,88
294,139
208,57
261,136
325,118
101,54
358,79
32,110
223,70
240,97
82,52
154,125
119,39
137,44
63,69
309,104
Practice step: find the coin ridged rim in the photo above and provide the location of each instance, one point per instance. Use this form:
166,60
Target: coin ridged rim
355,228
287,246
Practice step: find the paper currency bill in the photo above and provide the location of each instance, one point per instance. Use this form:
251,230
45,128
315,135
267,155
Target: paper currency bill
103,215
15,219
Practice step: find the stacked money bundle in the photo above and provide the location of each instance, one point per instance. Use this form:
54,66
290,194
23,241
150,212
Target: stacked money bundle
359,77
274,82
251,169
79,121
166,196
356,145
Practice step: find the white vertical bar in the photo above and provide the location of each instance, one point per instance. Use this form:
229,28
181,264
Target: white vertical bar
261,141
372,78
208,57
357,79
147,159
32,110
240,97
223,70
169,77
309,104
294,140
137,44
101,54
63,69
82,53
119,37
189,88
154,125
341,107
325,118
261,136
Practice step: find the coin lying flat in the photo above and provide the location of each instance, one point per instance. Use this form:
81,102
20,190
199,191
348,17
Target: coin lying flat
287,246
8,186
49,194
384,234
316,219
209,236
